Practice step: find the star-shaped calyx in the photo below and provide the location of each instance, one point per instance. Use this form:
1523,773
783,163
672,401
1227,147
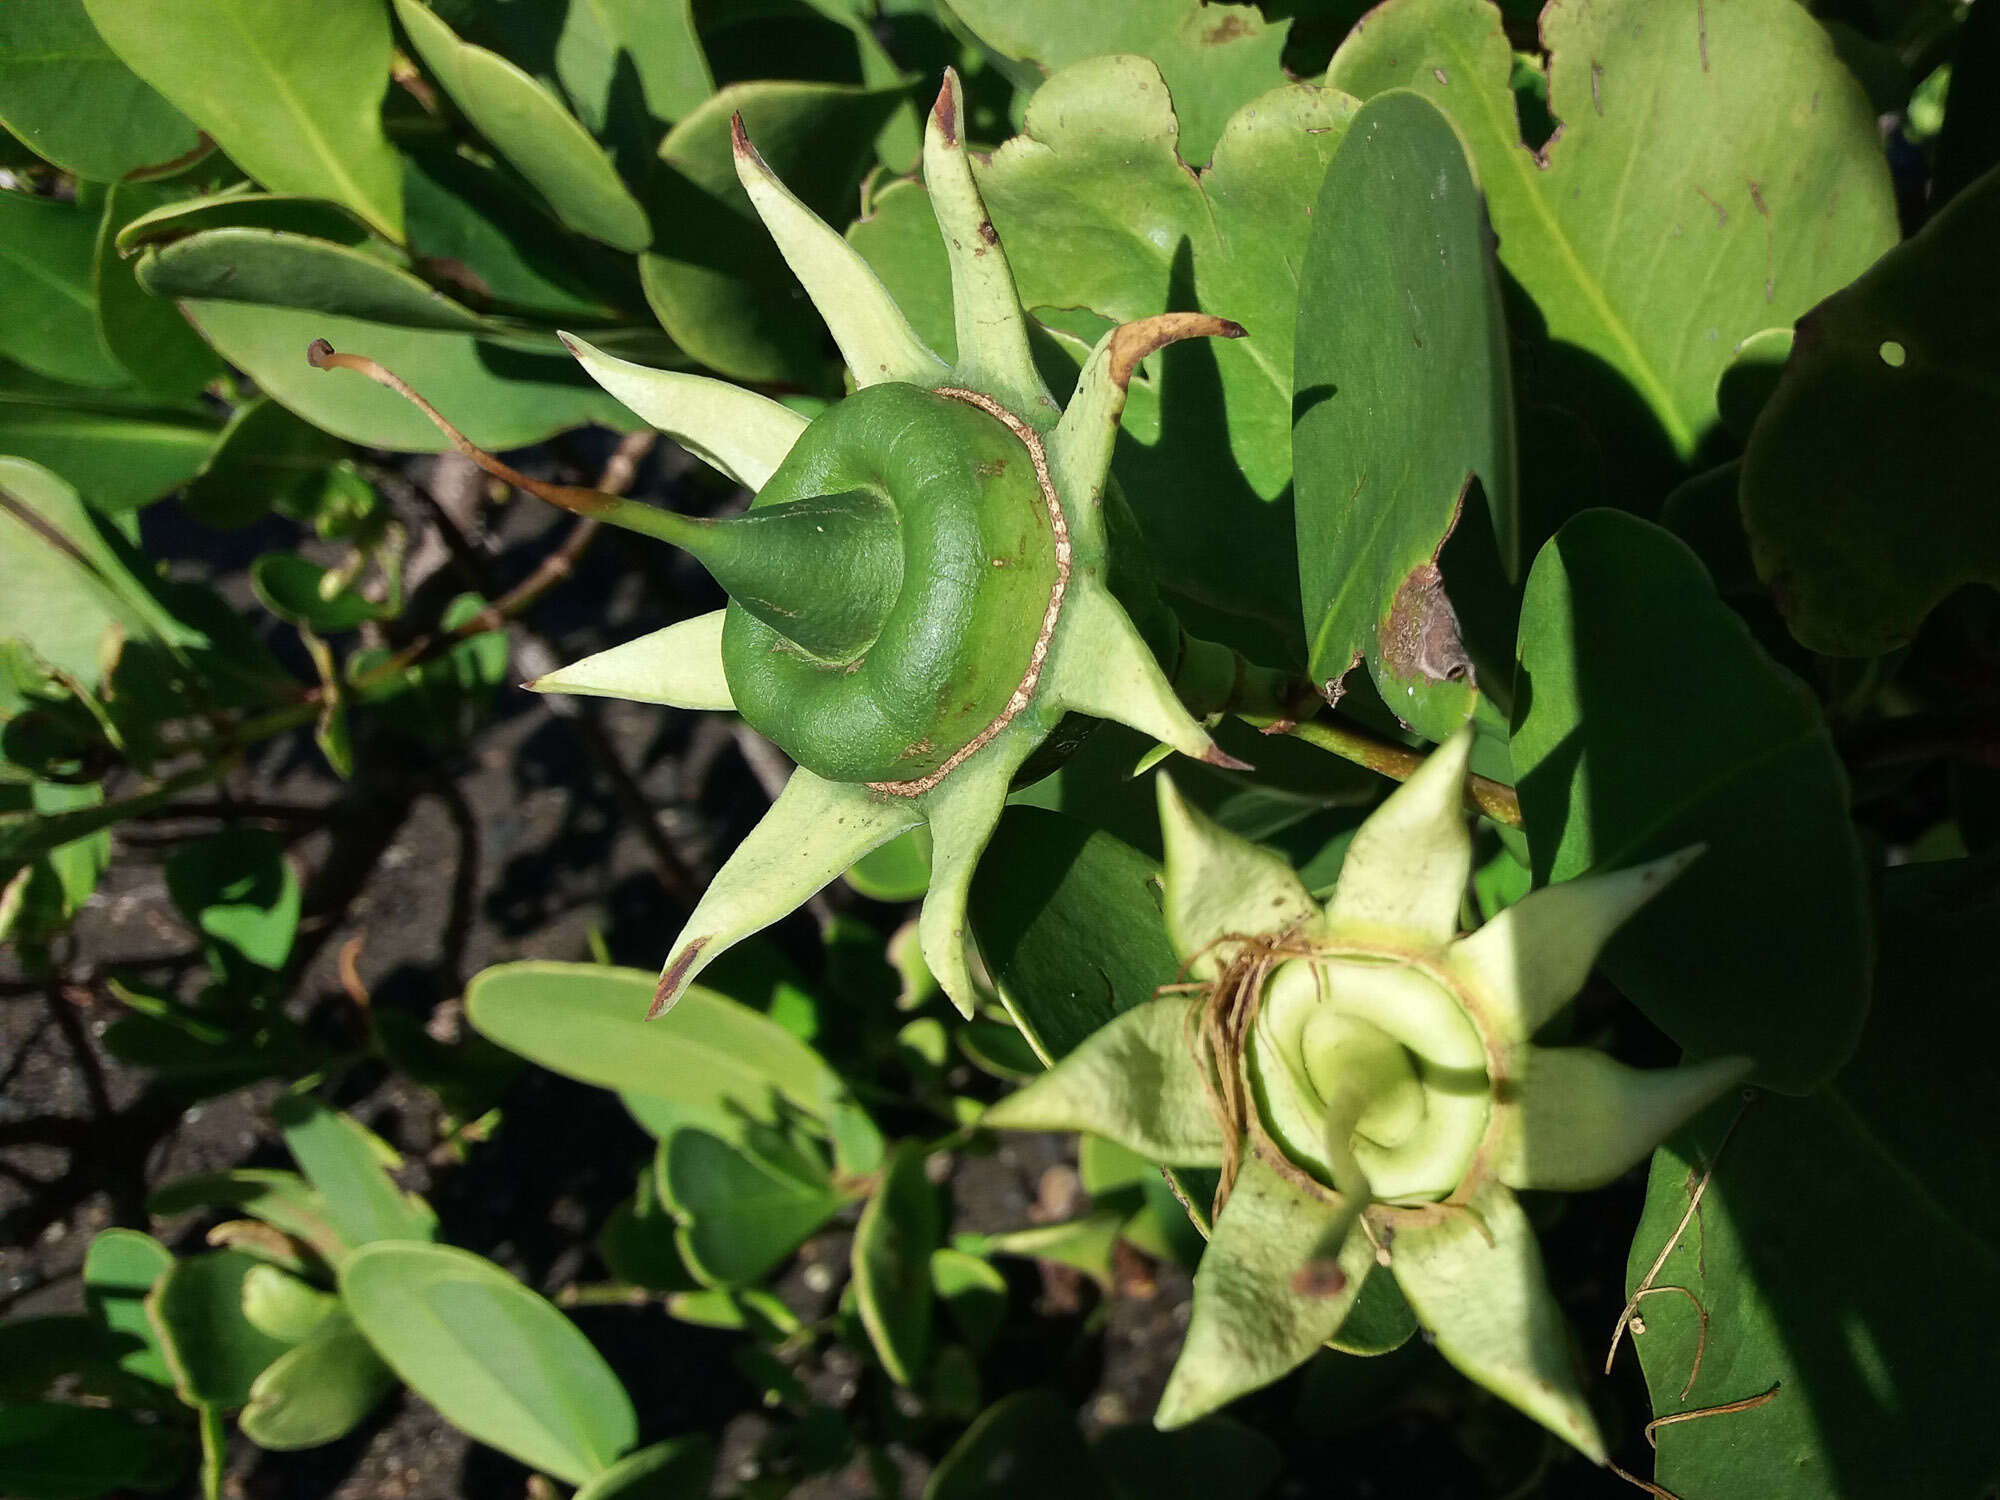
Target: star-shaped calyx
1364,1077
843,635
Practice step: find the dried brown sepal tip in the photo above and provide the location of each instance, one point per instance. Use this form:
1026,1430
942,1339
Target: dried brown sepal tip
1215,755
674,979
945,111
739,140
1132,342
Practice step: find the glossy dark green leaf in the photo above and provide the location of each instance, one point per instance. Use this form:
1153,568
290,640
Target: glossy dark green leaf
1886,1166
498,1362
120,1269
1069,921
294,96
501,397
296,590
1215,58
281,269
319,1390
1026,1444
312,218
146,336
51,61
1868,484
213,1350
637,1243
893,1244
1647,719
898,871
1380,1320
721,289
529,127
712,1062
346,1165
48,312
120,448
265,455
678,1469
56,1452
1717,171
1403,399
238,888
741,1214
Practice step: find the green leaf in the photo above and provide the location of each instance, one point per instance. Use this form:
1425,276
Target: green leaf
52,59
893,1246
265,456
344,1163
741,1214
241,208
36,1352
678,1469
501,397
279,269
117,447
319,1390
1215,58
637,1243
1403,400
214,1351
1762,949
1069,921
974,1295
145,335
48,312
55,1452
295,590
1888,1165
718,283
715,1063
497,1361
238,888
1024,1444
1717,171
898,871
294,96
1379,1322
278,1303
120,1269
1867,487
655,41
1097,210
281,1199
528,126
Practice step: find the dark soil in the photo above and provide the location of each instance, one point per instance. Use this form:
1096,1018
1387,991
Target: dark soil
524,844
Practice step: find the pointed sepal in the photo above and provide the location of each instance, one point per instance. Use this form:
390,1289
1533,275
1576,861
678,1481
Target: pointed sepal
812,833
1218,884
992,331
680,666
963,810
1473,1275
740,434
1133,1081
1576,1119
1264,1301
1532,958
1100,666
874,337
1405,871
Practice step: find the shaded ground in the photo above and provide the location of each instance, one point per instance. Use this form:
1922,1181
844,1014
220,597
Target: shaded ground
526,844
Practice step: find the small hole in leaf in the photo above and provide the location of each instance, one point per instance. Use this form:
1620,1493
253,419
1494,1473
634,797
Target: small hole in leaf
1893,354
